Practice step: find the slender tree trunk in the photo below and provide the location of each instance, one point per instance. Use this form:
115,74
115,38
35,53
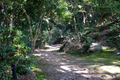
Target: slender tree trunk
83,19
11,19
3,6
49,34
33,43
74,19
33,38
37,33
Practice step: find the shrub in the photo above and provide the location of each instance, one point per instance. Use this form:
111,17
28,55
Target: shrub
11,47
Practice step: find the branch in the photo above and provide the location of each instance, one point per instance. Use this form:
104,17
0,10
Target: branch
39,26
28,18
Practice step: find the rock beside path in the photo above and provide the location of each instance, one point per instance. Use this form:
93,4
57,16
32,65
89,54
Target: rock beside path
117,52
96,47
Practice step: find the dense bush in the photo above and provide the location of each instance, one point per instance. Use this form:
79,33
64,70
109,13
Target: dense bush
12,46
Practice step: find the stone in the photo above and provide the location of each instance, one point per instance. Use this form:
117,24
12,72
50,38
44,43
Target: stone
117,52
96,47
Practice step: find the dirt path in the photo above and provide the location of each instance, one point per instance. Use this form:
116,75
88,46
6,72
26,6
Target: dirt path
64,67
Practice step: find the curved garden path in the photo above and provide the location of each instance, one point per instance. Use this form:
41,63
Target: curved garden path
64,67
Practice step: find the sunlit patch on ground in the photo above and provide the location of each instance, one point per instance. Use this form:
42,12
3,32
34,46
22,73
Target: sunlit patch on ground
36,69
110,69
37,54
117,62
60,70
52,48
65,68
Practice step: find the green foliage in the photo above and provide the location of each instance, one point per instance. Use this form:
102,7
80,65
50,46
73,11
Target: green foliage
86,40
3,67
96,35
54,34
113,35
113,41
10,47
21,70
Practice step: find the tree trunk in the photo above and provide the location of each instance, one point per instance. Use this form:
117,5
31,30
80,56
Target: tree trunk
33,43
83,19
3,14
75,22
11,19
33,38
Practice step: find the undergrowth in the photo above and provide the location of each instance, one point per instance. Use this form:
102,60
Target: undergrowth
35,68
105,57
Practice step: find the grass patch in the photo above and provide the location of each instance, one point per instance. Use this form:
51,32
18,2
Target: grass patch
39,74
103,60
101,57
35,68
105,57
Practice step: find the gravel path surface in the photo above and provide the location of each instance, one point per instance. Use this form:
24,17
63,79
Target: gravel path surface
64,67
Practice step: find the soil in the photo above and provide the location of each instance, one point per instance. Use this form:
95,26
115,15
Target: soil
64,67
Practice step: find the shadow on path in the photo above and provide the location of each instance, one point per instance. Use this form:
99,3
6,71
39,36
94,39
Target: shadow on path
63,67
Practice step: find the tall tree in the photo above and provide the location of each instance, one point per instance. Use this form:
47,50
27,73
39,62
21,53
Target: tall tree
38,11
